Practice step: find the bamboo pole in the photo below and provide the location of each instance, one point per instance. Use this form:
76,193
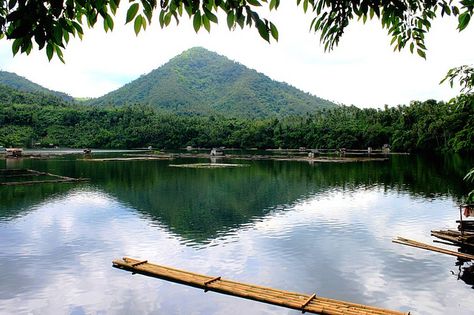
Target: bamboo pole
455,237
29,172
298,301
408,242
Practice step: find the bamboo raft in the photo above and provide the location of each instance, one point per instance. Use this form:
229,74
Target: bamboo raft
302,302
461,239
11,173
412,243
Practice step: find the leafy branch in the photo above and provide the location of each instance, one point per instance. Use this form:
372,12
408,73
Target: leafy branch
50,24
465,77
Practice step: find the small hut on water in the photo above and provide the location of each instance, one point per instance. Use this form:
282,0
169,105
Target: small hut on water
14,152
217,152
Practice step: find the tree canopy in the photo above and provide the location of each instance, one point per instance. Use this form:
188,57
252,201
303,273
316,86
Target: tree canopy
50,24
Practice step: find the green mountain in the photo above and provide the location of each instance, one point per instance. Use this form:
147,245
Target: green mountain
202,82
19,83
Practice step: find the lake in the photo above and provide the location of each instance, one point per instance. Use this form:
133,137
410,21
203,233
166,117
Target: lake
323,228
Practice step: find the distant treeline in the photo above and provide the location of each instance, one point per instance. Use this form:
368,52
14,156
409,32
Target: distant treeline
421,126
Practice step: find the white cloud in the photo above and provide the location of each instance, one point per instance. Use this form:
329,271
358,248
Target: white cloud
363,70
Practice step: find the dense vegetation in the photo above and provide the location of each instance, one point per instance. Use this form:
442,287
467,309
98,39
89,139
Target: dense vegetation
202,82
421,126
14,81
10,96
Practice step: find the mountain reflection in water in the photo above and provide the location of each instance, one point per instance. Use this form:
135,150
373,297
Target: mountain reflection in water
324,228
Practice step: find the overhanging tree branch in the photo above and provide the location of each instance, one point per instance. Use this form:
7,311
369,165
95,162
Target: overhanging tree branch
50,24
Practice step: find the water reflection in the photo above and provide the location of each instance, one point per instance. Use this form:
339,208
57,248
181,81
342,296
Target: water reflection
201,204
466,273
323,228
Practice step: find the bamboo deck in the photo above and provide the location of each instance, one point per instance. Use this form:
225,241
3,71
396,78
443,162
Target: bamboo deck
302,302
412,243
456,237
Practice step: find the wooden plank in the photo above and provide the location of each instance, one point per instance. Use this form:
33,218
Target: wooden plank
412,243
298,301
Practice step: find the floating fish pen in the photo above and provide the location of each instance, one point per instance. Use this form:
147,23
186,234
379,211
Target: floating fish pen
11,177
217,152
462,239
466,225
208,165
295,158
311,303
138,158
14,152
464,236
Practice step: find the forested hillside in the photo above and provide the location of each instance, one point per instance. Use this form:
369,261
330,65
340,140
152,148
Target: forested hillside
421,126
10,96
202,82
19,83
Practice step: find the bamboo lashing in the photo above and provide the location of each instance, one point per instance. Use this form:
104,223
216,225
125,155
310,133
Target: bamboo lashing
307,302
302,302
408,242
211,280
139,263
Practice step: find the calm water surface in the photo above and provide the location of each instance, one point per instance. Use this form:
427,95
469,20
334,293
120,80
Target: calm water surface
323,228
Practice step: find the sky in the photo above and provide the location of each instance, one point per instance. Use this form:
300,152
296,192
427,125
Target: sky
363,70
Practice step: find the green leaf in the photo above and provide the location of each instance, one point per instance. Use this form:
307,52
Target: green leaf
274,31
230,19
206,23
132,11
49,51
421,53
58,34
197,21
16,45
305,6
138,24
168,18
110,22
29,47
263,30
78,28
66,36
255,3
273,4
161,18
463,20
211,16
241,20
59,53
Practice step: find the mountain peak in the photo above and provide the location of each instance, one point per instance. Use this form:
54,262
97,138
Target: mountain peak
14,81
199,81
